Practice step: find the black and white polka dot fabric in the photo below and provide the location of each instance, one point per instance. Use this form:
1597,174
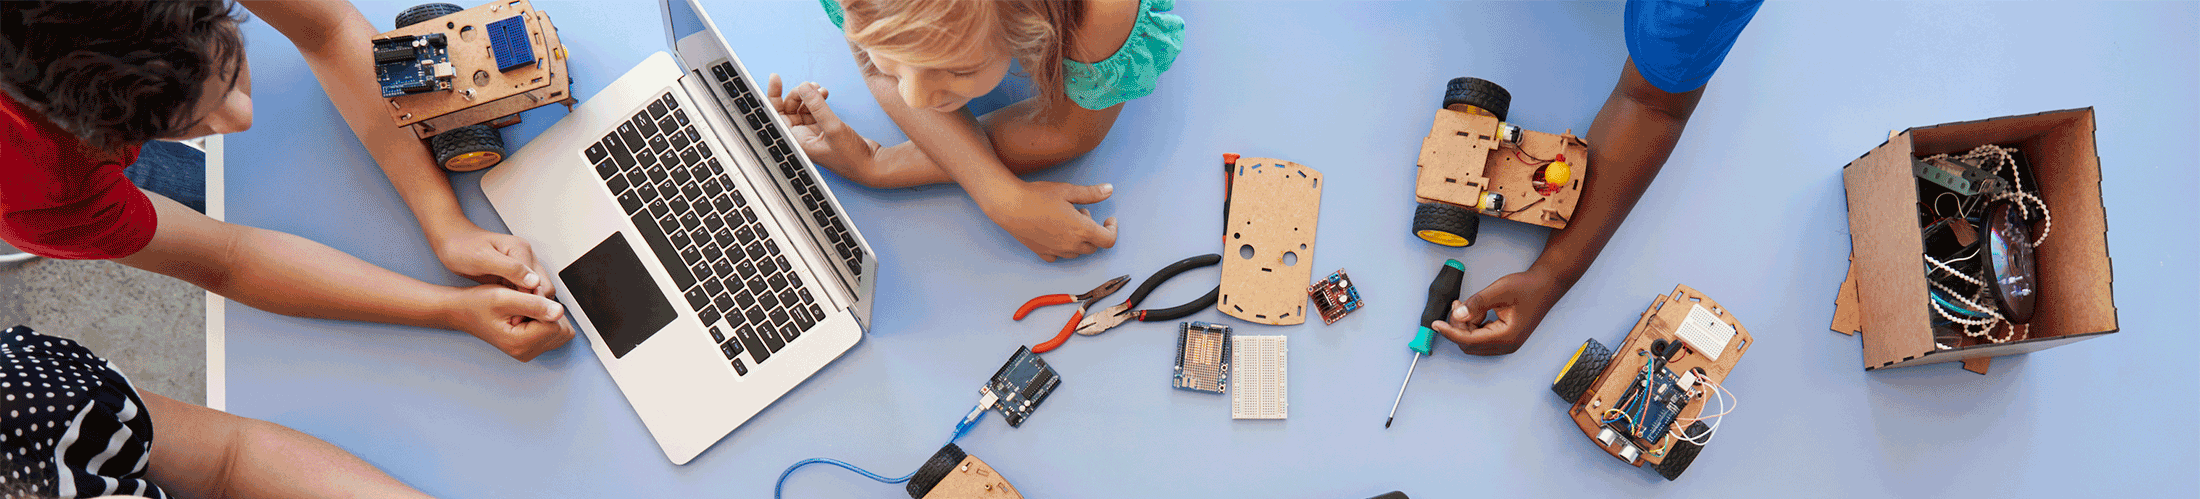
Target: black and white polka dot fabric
70,424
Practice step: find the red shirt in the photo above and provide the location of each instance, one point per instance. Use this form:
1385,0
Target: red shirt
60,201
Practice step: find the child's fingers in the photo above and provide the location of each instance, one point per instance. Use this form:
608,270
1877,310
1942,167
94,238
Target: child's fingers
771,89
813,102
1105,237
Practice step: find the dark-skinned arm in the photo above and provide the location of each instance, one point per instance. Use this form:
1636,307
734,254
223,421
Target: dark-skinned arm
1629,142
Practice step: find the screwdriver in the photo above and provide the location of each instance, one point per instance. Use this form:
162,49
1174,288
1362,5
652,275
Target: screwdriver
1440,295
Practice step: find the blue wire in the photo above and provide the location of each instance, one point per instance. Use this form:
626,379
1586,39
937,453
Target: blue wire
781,486
1959,309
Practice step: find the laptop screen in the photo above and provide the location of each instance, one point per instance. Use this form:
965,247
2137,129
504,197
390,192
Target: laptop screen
682,18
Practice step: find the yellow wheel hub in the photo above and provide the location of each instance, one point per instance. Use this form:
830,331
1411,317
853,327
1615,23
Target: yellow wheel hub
1478,110
1441,237
474,161
1570,363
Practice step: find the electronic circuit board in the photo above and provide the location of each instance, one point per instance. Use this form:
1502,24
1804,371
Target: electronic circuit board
1203,357
412,64
1334,296
1649,416
508,40
1021,384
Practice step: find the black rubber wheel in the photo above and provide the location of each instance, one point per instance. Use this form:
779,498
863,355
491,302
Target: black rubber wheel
1588,362
934,470
1446,224
1480,93
424,12
469,148
1683,453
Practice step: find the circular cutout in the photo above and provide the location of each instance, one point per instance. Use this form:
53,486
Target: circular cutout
1245,251
481,78
450,25
1235,235
1290,258
468,33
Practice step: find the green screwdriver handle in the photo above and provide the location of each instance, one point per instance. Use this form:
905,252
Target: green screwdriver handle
1440,295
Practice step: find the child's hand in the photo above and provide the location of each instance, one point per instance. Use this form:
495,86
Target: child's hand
829,142
1044,216
1521,300
493,258
519,324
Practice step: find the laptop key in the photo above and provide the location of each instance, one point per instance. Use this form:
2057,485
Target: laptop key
754,344
616,181
712,251
719,71
726,348
770,301
818,312
739,369
668,125
680,140
596,153
789,331
681,240
743,298
693,155
771,338
776,281
670,102
680,175
679,116
631,200
644,125
767,266
668,158
630,137
802,320
696,298
691,221
658,108
692,134
755,250
727,303
709,315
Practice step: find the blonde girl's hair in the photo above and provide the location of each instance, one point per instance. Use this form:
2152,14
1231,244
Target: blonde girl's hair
1037,32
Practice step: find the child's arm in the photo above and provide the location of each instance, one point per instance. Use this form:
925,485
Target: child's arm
290,275
334,38
1628,143
201,452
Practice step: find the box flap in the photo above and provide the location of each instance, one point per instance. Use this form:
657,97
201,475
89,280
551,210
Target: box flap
1882,196
1847,311
1994,350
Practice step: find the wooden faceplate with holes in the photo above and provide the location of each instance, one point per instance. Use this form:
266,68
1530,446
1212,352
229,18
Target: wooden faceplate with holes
1274,205
973,479
1462,157
1659,322
494,94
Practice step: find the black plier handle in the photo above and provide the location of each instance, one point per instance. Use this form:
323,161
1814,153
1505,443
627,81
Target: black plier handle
1116,315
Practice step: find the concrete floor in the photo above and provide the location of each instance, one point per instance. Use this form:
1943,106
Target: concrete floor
150,326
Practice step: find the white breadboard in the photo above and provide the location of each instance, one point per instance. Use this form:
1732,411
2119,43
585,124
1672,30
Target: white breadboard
1258,378
1704,332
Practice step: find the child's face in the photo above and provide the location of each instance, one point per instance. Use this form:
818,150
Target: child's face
225,107
947,85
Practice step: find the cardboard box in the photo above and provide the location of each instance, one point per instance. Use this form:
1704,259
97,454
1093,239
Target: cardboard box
1885,295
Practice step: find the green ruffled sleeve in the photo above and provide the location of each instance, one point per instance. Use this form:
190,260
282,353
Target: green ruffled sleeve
1134,69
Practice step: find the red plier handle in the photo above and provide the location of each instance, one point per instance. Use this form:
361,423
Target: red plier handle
1042,301
1064,336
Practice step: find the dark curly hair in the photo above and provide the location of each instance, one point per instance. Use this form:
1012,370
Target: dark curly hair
117,73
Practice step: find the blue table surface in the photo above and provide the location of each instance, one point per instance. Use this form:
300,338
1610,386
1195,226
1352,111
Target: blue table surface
1750,209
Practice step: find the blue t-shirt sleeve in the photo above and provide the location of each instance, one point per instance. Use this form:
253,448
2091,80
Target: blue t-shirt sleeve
1678,44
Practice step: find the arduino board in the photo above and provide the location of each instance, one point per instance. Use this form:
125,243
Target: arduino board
1021,384
1203,357
412,64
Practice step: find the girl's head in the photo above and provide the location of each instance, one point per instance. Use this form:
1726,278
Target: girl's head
946,52
121,73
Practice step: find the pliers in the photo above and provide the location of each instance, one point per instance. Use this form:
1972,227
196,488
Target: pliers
1113,316
1084,301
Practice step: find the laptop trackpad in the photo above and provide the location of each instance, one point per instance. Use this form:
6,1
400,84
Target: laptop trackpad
616,292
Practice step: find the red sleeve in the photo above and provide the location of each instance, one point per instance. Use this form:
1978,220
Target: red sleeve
58,201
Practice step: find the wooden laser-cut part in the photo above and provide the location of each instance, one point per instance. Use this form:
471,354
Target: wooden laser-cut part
501,93
973,479
1658,322
1463,157
1274,205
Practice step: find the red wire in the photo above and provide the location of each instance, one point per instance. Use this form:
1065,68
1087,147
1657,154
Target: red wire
1525,159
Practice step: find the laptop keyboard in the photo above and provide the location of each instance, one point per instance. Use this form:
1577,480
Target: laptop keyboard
753,111
727,264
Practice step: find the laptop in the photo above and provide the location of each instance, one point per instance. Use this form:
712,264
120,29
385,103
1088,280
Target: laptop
692,241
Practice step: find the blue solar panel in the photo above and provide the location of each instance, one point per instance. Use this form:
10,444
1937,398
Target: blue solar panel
508,38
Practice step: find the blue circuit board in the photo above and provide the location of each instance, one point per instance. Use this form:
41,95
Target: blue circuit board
1021,384
407,64
508,39
1203,357
1651,403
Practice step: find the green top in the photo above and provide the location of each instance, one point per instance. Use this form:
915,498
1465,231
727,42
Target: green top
1455,264
1129,74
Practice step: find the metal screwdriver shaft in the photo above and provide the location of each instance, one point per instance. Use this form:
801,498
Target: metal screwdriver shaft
1441,292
